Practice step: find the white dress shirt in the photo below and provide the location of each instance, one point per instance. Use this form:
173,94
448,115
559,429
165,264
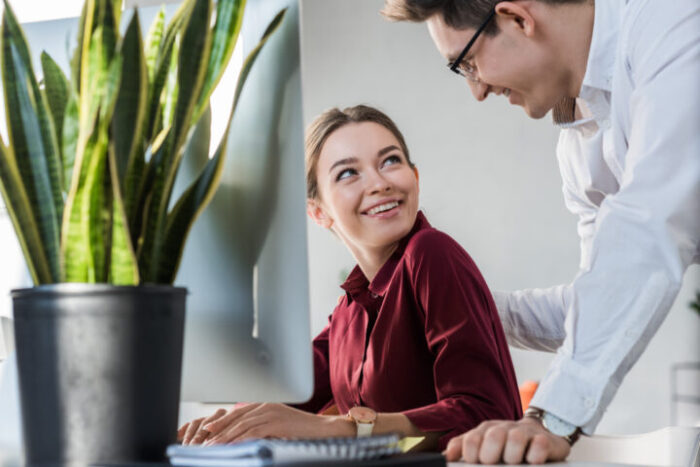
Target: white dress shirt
631,173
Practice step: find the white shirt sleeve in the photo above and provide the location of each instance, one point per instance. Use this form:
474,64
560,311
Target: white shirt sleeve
648,232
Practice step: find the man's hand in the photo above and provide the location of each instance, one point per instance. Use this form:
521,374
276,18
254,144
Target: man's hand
496,441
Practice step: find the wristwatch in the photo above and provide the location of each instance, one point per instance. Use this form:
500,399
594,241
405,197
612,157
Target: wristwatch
554,424
364,419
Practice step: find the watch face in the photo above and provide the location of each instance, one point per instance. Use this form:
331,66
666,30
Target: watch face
363,414
556,425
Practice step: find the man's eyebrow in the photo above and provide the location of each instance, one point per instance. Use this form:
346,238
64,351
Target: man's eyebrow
346,161
388,149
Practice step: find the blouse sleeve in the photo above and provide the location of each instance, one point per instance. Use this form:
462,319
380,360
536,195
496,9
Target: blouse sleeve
472,370
322,396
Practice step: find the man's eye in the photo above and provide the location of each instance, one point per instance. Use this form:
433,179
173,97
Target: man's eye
468,67
343,174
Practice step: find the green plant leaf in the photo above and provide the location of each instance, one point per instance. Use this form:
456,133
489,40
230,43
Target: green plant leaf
153,41
71,130
162,66
184,213
229,17
131,101
83,242
195,199
57,90
193,59
123,267
128,122
20,210
32,138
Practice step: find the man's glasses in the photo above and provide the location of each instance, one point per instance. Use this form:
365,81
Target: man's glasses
461,66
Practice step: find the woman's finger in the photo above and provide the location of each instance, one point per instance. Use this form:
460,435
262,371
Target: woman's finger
237,431
203,434
181,431
191,430
230,417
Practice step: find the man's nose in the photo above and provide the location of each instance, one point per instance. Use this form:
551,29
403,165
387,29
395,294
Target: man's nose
479,89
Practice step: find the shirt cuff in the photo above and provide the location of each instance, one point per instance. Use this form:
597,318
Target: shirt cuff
573,393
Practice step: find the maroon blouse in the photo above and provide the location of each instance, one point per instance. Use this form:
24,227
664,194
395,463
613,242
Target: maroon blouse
423,338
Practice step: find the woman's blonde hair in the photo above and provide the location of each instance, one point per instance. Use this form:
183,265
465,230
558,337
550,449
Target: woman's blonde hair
329,121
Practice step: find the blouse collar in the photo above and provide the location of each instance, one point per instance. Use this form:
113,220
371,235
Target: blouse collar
356,282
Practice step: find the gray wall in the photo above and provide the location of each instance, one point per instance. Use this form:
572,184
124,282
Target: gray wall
488,177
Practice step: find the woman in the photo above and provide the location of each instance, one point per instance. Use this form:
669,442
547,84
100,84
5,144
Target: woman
415,342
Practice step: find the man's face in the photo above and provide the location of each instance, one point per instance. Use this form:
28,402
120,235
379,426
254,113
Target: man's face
515,63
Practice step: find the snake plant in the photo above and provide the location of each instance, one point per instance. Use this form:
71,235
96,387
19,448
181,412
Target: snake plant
88,172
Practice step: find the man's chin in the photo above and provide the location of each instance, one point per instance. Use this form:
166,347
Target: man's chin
535,112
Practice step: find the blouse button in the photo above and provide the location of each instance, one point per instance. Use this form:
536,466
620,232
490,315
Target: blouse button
374,295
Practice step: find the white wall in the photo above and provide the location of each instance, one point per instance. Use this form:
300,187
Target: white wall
488,177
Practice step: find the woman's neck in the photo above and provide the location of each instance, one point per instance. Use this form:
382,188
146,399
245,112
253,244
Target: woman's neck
371,260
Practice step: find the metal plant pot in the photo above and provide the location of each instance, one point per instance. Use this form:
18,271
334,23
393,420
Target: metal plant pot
99,371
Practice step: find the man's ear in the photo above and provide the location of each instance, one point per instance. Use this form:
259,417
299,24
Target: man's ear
315,211
518,14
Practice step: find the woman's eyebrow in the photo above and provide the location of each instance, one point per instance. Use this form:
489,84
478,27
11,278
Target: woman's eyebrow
387,149
347,160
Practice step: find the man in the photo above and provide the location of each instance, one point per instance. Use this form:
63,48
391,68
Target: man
622,79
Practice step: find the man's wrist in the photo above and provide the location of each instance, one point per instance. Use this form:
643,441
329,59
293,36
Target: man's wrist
554,424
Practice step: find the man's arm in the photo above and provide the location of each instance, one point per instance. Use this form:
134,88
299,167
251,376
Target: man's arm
646,234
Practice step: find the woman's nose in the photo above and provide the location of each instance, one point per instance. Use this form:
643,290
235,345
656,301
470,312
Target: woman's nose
377,183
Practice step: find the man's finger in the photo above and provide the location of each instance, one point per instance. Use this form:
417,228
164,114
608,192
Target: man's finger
539,449
471,443
493,443
191,430
516,444
453,451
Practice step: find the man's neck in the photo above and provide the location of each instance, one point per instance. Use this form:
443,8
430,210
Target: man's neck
572,24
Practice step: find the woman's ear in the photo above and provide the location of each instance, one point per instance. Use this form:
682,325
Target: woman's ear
517,14
415,172
315,211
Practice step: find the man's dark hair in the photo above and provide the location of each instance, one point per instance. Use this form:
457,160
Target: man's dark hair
458,14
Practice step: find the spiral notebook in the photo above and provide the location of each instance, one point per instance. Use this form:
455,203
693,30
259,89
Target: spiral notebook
265,452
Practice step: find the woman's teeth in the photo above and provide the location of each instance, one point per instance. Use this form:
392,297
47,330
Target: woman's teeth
382,208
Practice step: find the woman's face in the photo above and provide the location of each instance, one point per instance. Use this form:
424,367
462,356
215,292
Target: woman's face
368,193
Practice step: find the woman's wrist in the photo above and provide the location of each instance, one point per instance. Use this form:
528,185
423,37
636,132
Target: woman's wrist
340,426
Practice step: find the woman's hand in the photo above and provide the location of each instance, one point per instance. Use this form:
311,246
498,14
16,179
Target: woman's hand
192,432
272,421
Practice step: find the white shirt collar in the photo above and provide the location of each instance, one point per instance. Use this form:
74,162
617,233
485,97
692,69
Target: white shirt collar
601,56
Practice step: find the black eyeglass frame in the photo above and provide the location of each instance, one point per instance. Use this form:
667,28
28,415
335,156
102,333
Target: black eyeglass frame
454,65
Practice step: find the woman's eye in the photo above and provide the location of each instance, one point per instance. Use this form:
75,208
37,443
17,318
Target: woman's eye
343,174
391,160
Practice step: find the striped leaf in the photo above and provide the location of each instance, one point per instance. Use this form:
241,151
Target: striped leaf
57,90
229,17
195,199
153,41
21,213
123,267
33,139
193,59
69,139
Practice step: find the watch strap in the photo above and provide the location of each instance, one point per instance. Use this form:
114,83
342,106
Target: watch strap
539,414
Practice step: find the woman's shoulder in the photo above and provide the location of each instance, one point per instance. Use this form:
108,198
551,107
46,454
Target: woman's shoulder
432,245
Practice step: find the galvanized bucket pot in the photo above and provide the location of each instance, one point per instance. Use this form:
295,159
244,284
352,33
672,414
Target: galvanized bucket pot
99,371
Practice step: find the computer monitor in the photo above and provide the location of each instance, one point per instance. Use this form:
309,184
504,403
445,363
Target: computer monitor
247,333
